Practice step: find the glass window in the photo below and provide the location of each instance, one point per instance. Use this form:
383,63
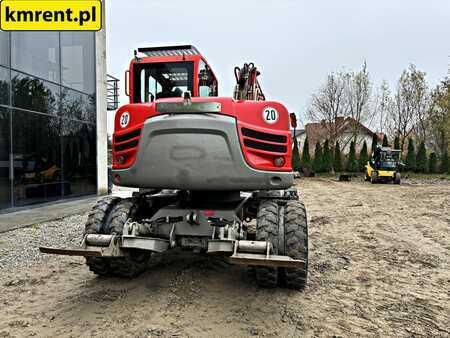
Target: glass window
79,158
160,80
36,53
37,158
207,84
5,143
4,48
34,94
78,61
4,85
75,105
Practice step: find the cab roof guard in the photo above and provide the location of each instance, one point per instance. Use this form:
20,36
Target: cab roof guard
169,50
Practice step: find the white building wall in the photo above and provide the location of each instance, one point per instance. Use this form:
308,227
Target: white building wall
102,142
301,140
368,140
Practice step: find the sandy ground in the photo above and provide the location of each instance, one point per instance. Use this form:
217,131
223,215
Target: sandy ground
379,267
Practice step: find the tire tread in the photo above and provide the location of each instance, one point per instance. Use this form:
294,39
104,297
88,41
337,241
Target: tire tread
267,230
296,239
108,216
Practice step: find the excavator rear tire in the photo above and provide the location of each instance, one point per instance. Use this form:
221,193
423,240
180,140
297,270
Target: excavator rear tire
296,243
98,218
267,230
109,217
136,263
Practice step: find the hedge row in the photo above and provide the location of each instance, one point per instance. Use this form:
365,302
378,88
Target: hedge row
327,159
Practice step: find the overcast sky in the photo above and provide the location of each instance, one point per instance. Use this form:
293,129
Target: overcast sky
294,43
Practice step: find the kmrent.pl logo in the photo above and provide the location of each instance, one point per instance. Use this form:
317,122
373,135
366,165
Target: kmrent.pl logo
50,15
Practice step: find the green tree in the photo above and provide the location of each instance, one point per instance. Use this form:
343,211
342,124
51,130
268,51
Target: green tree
445,165
4,91
337,161
421,159
396,143
411,156
374,142
327,159
318,158
33,93
352,163
411,105
385,141
306,159
432,163
439,118
363,157
296,156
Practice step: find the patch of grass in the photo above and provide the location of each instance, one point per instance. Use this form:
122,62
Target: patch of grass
35,226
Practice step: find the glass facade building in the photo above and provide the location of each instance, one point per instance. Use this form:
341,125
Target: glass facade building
47,117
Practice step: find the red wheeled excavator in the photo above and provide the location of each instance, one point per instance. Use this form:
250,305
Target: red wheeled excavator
207,167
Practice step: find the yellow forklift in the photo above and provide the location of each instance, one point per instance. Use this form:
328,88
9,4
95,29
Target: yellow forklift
384,166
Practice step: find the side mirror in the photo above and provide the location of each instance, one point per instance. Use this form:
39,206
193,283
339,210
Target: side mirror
127,80
293,118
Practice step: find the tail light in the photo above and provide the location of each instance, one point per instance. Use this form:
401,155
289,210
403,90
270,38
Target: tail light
279,161
120,159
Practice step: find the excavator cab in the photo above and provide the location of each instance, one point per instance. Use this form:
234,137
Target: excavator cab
169,72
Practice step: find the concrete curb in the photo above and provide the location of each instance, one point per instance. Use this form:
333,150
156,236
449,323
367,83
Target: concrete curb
43,213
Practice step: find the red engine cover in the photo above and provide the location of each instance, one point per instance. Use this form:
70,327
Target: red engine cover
263,128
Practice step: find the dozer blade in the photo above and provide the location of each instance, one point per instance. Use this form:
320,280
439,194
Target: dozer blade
264,260
70,252
93,245
87,251
252,253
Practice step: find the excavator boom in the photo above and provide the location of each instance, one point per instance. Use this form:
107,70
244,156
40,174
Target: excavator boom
247,85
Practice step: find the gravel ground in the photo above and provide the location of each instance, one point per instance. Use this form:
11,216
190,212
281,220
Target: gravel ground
379,267
18,248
